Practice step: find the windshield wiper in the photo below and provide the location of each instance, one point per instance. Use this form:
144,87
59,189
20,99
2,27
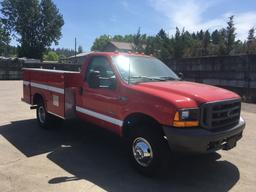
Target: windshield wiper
169,78
146,77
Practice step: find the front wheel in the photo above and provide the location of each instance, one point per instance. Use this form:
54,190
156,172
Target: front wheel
142,151
147,149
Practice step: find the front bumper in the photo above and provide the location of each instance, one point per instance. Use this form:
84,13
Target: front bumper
202,140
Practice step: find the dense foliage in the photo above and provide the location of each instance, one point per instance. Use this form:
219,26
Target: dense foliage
80,49
36,24
4,39
184,43
51,56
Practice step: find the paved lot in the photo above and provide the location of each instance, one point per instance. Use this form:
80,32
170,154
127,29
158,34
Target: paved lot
79,157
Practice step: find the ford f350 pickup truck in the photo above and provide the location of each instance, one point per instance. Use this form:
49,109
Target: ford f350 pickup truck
142,100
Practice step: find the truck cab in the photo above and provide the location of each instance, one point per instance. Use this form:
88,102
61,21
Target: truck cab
142,100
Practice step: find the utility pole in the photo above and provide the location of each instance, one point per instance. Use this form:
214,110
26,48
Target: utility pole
75,46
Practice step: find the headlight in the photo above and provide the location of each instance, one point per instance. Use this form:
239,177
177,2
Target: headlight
187,118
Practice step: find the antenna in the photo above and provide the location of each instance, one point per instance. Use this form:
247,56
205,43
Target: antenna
129,75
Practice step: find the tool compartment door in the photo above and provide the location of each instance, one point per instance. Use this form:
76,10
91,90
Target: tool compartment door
56,94
26,86
49,84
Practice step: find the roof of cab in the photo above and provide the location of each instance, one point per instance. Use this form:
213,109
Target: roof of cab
118,53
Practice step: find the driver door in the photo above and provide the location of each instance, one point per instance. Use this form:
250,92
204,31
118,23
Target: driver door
101,105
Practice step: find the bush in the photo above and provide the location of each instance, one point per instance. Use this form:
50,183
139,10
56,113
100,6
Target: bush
51,56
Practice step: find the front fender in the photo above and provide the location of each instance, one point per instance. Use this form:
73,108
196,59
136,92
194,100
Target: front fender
160,111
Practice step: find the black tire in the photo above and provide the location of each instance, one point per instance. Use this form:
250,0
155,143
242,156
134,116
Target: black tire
148,135
44,119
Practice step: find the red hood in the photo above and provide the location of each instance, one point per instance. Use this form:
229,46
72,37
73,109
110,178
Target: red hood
178,90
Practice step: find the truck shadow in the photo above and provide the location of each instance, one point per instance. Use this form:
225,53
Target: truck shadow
93,154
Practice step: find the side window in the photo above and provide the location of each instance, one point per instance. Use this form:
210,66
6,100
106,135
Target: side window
100,64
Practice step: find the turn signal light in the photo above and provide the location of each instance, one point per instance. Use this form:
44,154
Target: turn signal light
184,118
185,123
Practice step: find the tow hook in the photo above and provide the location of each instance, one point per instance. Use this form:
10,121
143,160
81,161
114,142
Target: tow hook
33,107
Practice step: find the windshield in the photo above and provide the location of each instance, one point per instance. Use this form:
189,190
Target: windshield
135,69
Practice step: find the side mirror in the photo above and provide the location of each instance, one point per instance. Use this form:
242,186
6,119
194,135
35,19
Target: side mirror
108,82
94,79
180,75
112,84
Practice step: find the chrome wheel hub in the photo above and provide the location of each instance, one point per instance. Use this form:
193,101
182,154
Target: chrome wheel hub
41,114
142,151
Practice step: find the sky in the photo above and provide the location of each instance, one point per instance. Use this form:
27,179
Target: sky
87,19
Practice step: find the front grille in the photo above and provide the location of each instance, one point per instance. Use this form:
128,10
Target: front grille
221,114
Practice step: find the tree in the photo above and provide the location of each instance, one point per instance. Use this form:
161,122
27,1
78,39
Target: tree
251,36
251,41
118,38
100,43
215,37
230,35
163,46
11,51
206,42
221,44
128,38
200,35
184,43
64,52
138,40
178,43
4,40
51,56
151,46
80,49
35,24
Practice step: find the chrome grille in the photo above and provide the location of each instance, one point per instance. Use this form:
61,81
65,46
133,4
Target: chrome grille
221,114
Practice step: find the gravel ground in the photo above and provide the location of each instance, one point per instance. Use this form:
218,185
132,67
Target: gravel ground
79,157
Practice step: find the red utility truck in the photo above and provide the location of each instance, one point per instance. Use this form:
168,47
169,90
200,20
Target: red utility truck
139,98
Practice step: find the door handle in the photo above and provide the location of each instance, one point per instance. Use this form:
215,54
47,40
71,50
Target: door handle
81,90
122,98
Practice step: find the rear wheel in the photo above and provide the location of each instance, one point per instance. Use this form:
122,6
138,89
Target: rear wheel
147,149
44,119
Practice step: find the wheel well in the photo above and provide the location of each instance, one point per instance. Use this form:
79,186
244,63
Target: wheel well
138,119
37,98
